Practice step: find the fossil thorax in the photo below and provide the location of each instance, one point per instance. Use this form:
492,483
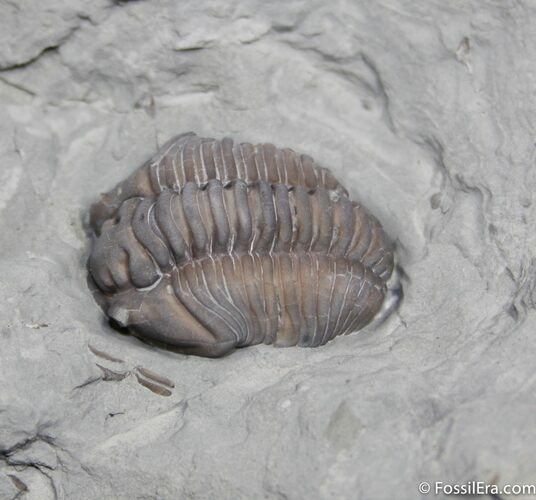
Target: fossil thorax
213,245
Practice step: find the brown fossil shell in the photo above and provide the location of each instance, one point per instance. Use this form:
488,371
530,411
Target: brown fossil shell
212,245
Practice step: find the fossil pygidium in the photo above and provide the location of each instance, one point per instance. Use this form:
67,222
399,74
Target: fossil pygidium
212,245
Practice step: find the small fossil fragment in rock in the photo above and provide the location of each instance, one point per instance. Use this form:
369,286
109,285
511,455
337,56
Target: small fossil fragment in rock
20,485
212,245
104,355
156,388
155,377
111,375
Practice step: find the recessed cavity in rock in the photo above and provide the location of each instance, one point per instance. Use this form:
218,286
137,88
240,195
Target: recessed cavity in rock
212,245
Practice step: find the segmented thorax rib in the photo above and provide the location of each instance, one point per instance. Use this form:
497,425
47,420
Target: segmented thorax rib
189,158
212,245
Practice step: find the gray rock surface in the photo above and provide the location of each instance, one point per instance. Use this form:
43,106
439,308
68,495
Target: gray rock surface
425,110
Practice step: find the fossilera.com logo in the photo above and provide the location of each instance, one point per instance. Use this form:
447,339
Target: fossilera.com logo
476,488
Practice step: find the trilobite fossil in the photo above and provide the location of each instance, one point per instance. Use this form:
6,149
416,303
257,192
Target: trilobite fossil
212,245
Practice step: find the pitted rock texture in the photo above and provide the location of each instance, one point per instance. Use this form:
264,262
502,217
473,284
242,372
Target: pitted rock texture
423,110
211,246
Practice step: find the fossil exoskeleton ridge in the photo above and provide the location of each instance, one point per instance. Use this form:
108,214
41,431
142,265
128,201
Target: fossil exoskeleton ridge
212,245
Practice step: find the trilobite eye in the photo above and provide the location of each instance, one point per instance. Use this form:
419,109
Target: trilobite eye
213,245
